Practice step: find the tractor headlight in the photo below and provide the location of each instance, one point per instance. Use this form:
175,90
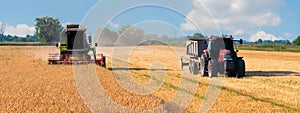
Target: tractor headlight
227,57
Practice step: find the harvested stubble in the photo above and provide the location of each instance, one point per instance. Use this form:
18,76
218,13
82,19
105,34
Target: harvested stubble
29,84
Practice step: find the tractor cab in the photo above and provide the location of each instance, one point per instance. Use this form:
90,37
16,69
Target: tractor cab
222,47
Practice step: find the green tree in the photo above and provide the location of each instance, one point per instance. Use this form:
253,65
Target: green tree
198,36
288,42
297,41
105,37
129,35
127,29
259,41
2,28
48,29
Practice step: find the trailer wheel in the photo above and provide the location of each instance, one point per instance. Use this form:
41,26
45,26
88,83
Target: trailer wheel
212,68
190,66
203,68
195,68
181,63
241,68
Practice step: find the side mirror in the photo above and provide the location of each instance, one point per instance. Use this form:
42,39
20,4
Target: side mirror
241,41
57,45
90,39
96,44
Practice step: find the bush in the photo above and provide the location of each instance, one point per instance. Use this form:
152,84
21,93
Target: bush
297,41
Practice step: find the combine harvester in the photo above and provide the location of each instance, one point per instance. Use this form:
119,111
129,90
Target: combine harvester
76,48
212,56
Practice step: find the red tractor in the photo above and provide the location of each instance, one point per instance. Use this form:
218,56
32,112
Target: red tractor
214,55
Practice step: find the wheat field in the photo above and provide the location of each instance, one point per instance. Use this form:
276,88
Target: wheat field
29,84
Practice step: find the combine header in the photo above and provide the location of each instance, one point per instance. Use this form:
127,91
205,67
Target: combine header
76,48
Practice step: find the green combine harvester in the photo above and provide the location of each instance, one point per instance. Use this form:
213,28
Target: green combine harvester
76,48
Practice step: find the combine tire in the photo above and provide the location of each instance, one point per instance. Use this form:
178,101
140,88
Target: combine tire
203,69
212,69
240,69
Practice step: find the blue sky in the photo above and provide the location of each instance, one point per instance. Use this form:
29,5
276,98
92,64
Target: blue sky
247,19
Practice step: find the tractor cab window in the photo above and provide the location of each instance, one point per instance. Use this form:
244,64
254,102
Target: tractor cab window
228,43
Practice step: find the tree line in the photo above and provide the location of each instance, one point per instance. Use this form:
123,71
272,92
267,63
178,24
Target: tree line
10,38
49,28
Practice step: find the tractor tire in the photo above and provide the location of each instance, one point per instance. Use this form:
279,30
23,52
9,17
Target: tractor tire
240,68
104,62
195,68
203,67
230,74
212,68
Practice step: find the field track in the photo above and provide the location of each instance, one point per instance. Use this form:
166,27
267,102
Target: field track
29,84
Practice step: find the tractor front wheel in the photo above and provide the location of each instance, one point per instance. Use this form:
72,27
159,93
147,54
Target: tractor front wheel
240,69
203,68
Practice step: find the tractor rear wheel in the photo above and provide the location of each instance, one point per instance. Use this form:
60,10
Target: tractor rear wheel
212,68
230,73
240,69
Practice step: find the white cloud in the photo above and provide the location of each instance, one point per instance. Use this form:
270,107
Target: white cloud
233,15
113,25
287,34
20,30
65,24
239,32
264,36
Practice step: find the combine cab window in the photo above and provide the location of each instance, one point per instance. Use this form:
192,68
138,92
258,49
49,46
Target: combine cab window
75,40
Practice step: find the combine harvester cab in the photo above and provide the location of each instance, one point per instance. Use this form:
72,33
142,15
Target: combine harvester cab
76,48
212,56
